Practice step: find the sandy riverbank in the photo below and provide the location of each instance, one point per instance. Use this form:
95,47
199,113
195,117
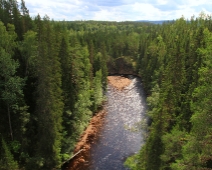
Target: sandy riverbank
119,82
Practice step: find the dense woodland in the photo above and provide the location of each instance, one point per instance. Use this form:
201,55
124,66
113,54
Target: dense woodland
53,79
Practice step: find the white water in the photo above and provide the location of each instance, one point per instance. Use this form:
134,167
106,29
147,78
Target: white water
121,135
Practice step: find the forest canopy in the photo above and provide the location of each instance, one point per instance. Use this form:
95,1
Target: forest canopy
53,78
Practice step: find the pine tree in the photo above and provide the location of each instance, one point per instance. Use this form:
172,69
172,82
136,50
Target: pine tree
26,21
97,90
10,85
197,150
49,97
7,161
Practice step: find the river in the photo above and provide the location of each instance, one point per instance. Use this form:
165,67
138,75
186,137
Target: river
122,134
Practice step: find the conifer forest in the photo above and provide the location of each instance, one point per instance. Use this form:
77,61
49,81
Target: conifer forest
53,76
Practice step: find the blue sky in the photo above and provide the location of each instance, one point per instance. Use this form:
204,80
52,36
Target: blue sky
118,10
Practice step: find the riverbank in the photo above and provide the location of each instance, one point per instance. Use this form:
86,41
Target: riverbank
82,149
119,82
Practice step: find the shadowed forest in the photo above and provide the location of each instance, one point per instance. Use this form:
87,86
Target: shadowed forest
53,75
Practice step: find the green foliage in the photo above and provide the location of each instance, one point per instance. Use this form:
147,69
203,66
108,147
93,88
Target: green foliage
28,48
97,90
53,76
174,142
131,162
153,101
50,104
176,70
197,151
11,86
7,162
100,64
133,44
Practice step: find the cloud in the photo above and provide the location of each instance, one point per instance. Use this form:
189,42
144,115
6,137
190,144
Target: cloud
169,6
107,3
118,10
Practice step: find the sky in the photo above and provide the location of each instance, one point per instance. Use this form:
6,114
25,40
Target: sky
118,10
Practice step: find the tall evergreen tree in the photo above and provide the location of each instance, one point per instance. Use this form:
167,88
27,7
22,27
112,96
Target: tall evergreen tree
49,97
11,85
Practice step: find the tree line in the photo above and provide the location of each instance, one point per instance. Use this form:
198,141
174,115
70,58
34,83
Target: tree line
53,79
50,86
175,66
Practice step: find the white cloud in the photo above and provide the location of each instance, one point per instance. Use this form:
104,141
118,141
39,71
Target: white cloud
162,2
118,10
146,11
193,3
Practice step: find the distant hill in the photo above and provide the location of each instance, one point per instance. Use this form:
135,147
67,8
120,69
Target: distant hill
155,22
